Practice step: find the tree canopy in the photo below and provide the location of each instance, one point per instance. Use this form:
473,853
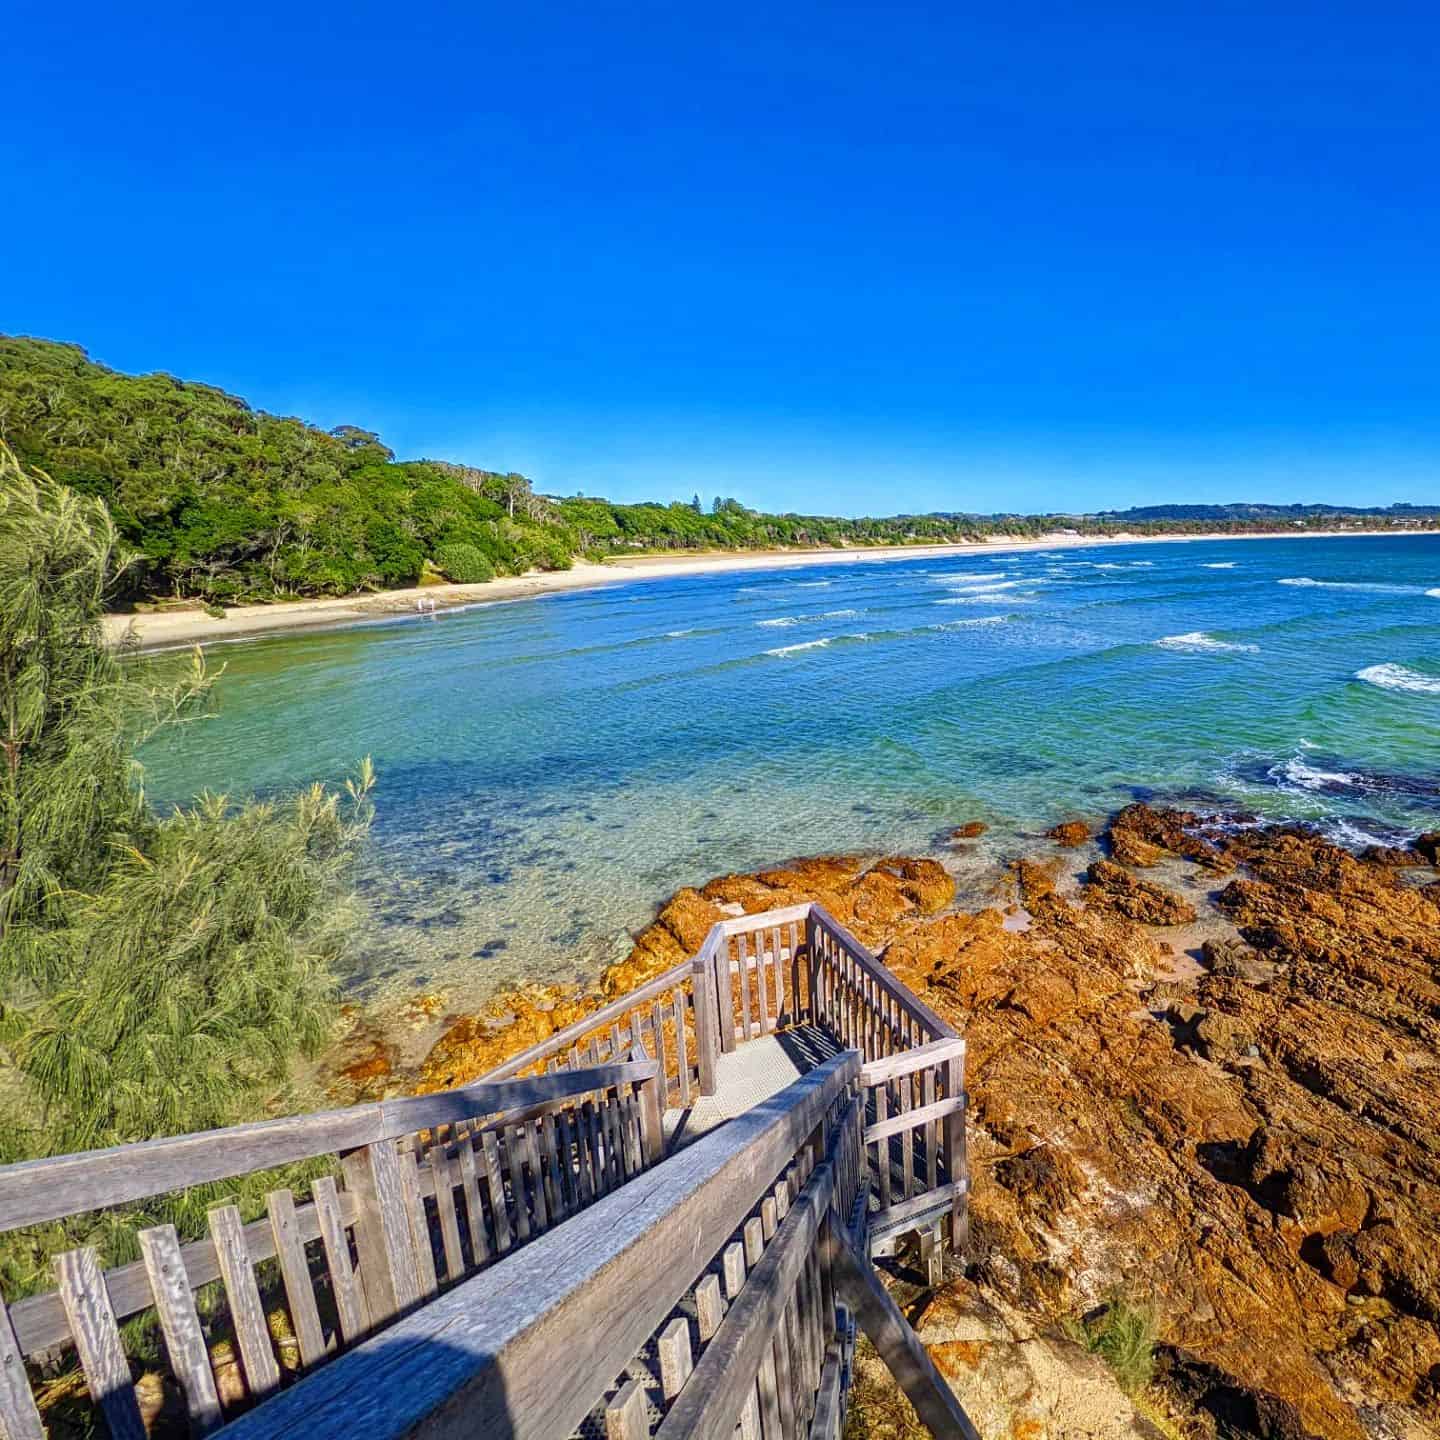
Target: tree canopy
158,973
225,503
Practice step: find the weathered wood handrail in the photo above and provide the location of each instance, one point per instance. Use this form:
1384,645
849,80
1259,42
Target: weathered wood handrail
34,1191
574,1138
482,1360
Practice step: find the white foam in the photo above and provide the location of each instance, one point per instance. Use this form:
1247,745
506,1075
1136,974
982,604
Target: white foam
963,624
1374,586
944,577
812,584
1343,832
1434,594
1390,676
1218,565
795,649
1199,642
1108,565
990,587
1309,777
781,620
676,634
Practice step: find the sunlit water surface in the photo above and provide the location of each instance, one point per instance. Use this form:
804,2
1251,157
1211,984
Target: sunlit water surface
550,769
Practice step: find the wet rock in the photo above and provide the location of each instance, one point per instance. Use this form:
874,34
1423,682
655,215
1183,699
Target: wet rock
1113,887
926,882
1428,846
1142,836
1393,855
970,830
1070,834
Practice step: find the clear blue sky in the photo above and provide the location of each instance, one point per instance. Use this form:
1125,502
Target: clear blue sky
830,257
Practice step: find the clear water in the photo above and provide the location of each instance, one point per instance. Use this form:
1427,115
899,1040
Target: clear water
550,769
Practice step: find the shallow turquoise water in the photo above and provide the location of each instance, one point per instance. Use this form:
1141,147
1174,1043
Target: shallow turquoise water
549,769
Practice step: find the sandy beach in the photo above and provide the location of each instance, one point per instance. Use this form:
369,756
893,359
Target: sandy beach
163,630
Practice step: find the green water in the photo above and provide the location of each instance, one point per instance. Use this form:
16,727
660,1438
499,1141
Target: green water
550,769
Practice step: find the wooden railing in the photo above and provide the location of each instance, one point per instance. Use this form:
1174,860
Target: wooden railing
430,1189
433,1191
714,1296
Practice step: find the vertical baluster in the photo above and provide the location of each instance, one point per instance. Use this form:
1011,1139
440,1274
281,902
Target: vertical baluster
344,1283
97,1341
180,1324
742,960
657,1028
227,1231
443,1178
295,1275
907,1135
627,1417
474,1210
491,1164
762,988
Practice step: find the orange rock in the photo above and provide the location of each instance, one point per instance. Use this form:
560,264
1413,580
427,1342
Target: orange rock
970,830
1070,834
1113,887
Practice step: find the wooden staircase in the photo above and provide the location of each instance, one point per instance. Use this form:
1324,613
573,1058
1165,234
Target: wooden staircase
562,1248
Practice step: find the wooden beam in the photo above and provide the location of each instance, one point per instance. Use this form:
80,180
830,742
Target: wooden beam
481,1359
910,1119
858,1286
906,1062
903,1212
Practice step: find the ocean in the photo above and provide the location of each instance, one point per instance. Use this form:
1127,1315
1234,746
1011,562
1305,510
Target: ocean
551,769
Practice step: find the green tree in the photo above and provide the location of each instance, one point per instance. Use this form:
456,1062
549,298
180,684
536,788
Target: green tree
157,973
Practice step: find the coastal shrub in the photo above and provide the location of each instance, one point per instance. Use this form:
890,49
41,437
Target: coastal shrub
1123,1335
464,564
158,973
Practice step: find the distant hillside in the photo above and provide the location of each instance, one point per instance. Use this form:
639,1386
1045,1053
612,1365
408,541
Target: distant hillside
227,503
1245,513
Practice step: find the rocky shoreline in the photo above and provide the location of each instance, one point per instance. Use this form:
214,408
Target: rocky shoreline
1204,1069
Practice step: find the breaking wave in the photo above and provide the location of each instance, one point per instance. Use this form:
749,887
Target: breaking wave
803,645
1390,676
964,624
780,620
1198,642
1378,587
1217,565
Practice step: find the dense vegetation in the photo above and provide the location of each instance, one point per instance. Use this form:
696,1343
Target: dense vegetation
224,503
158,973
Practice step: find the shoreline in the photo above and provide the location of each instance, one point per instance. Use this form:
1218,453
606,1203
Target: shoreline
166,630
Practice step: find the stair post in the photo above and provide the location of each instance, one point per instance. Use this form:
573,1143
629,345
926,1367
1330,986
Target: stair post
707,1028
652,1125
956,1160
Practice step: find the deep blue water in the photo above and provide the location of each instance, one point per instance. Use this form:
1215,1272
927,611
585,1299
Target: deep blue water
550,768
